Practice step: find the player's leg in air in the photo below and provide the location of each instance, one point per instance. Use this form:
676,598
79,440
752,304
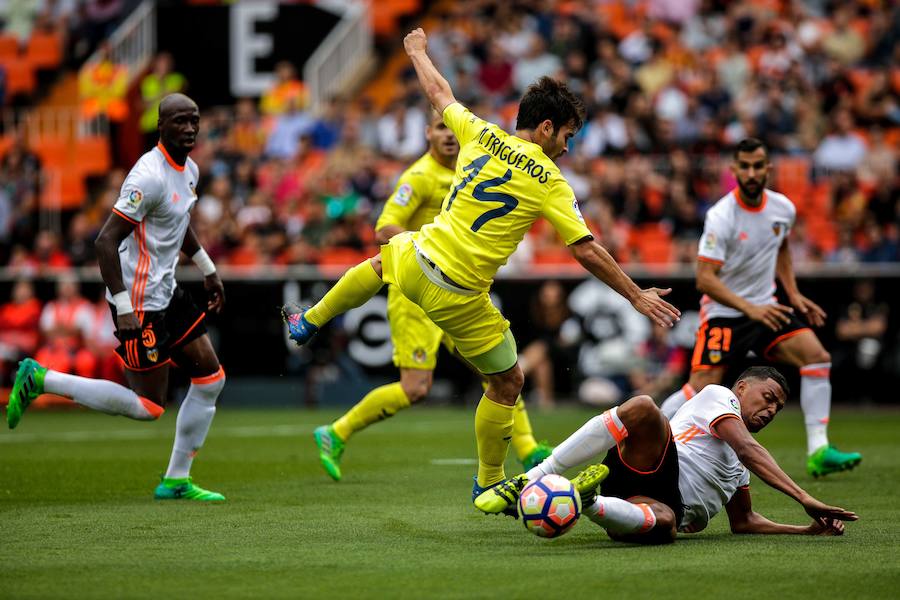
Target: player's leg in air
147,374
477,329
640,460
806,352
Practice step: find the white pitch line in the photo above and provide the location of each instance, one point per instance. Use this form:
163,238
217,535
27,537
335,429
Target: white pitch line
448,462
149,434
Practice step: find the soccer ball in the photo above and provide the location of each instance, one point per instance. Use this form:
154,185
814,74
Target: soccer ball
549,506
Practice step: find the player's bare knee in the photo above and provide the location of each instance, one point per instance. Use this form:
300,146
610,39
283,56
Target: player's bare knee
820,355
506,387
640,410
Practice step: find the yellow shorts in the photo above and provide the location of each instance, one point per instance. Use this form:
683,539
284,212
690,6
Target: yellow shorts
471,321
415,337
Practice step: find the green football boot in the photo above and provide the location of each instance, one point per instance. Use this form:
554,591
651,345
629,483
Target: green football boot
184,489
587,481
536,456
29,385
331,448
828,459
501,497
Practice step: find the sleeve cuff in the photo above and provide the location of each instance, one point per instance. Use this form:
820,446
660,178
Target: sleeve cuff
712,424
713,261
126,217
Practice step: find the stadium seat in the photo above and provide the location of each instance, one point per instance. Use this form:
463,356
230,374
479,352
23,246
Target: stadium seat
93,155
20,79
44,50
9,47
822,233
6,142
792,178
53,151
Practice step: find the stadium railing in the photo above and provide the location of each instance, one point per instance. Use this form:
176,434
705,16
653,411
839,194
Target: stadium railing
133,43
342,57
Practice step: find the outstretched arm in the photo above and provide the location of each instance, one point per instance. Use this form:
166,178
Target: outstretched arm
212,283
433,83
744,520
784,270
601,265
756,458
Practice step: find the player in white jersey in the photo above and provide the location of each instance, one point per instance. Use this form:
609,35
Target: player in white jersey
743,249
663,476
157,323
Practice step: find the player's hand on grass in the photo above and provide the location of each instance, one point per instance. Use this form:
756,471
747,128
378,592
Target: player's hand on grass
823,512
812,313
127,323
415,41
215,291
650,304
773,316
826,527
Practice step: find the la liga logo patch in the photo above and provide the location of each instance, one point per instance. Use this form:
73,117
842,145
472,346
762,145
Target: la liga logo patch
403,195
135,197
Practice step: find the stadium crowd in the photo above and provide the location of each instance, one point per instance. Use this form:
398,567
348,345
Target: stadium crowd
669,86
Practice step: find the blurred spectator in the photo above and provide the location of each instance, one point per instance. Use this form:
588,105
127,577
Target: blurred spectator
289,126
65,323
660,366
844,43
551,351
534,64
287,92
161,81
48,252
80,243
496,72
401,132
843,149
102,342
880,247
18,328
860,332
102,87
327,127
246,137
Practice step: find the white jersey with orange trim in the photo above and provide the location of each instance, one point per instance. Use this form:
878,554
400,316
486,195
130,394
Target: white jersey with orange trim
745,240
709,470
157,197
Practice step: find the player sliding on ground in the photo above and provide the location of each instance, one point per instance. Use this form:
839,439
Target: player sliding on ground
157,323
503,183
416,339
743,248
660,476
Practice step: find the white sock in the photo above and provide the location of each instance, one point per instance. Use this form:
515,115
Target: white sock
593,439
101,395
621,516
815,399
671,404
194,418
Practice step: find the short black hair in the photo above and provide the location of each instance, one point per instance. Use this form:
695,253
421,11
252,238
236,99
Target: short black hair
749,145
548,98
761,373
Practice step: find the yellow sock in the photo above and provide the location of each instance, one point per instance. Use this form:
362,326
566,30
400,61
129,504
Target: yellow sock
353,289
380,403
493,429
523,441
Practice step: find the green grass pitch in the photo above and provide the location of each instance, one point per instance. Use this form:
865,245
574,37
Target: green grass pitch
77,519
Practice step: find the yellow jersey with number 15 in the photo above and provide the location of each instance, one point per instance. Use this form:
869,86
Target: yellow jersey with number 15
418,196
502,185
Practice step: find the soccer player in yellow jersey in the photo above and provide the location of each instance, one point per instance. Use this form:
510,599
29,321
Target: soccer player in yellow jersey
416,339
503,183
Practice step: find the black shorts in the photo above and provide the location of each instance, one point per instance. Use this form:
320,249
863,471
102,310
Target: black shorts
661,483
721,340
162,333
